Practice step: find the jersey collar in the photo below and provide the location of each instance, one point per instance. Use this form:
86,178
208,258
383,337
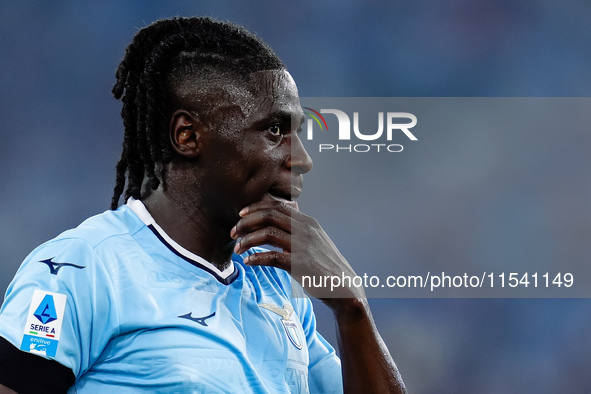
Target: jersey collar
226,276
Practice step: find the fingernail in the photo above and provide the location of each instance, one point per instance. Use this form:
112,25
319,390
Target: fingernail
233,233
237,247
243,212
246,260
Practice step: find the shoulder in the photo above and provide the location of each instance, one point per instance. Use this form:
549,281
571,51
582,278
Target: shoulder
99,228
81,252
97,237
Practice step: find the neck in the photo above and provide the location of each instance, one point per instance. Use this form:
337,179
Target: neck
188,223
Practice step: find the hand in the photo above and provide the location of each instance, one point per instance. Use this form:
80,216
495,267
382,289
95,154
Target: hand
308,253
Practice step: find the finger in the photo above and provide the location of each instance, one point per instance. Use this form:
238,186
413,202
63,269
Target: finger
271,258
261,219
265,236
283,206
289,209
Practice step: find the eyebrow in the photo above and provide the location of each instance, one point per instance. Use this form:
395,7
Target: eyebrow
287,117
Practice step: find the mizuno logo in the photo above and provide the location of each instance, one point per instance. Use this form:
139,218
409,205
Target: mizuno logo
55,267
200,320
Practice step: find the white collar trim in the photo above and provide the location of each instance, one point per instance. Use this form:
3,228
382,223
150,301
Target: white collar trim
140,210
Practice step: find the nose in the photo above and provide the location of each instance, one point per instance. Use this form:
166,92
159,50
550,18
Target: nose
299,161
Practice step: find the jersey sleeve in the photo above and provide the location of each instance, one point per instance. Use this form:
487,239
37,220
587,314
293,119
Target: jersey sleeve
59,305
324,370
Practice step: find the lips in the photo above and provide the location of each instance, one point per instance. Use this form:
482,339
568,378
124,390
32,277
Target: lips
285,192
283,195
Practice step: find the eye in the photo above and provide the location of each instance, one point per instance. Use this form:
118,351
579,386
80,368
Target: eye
275,130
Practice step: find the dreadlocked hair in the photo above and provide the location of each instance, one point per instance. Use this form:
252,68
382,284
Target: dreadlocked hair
160,54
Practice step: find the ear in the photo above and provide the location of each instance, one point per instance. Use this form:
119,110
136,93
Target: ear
185,132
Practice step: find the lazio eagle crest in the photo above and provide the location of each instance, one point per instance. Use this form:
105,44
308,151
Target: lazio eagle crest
288,324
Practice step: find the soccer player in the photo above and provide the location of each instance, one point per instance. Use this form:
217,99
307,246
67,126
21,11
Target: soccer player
171,292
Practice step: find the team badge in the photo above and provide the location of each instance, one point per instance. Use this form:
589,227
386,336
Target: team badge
44,323
289,325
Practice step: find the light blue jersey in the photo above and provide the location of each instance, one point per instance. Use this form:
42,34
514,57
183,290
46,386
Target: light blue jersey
128,310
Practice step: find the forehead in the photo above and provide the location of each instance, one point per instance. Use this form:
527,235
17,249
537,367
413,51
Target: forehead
270,93
275,84
224,99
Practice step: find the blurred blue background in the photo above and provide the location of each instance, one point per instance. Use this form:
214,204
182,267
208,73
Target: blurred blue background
61,136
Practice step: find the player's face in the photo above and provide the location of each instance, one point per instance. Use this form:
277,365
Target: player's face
254,151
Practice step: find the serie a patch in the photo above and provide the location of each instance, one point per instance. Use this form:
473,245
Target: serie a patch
44,323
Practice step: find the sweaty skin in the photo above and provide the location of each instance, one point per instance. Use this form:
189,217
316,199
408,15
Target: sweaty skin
235,176
239,155
6,390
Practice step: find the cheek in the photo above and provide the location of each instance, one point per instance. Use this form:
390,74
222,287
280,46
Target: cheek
245,165
261,166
